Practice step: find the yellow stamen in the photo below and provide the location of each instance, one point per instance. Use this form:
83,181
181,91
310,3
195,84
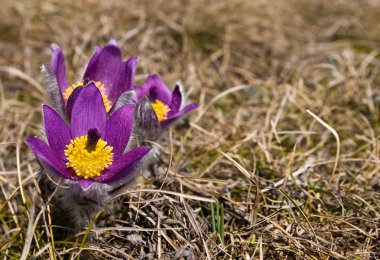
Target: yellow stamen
88,164
98,84
161,110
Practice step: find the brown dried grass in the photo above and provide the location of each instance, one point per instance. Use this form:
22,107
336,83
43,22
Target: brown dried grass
289,188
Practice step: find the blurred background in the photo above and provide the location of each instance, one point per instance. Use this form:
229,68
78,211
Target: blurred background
254,68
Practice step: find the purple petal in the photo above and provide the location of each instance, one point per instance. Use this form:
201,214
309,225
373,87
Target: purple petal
174,117
44,153
176,101
57,132
88,112
58,67
119,128
124,165
104,65
154,88
70,102
93,59
125,79
139,92
113,41
85,184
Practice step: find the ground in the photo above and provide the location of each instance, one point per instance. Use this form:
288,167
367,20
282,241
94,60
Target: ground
280,160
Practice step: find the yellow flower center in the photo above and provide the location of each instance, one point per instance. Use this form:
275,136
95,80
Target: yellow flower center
161,110
98,84
88,158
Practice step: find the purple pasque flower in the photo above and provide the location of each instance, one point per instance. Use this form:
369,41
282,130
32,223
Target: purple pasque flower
110,74
158,106
92,150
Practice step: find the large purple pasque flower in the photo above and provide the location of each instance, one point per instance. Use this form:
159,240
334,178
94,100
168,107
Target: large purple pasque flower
158,106
110,74
92,151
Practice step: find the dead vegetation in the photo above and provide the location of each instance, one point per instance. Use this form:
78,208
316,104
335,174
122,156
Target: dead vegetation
285,141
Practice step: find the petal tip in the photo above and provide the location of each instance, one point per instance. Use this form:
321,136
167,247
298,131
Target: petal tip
113,42
91,87
192,106
30,140
134,59
55,47
46,109
153,77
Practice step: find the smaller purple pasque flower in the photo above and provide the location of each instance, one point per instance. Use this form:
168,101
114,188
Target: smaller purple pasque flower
158,106
105,69
92,150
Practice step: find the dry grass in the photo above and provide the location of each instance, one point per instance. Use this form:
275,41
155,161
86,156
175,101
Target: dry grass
289,185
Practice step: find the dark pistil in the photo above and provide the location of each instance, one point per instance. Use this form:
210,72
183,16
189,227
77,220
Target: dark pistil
93,137
86,81
153,94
